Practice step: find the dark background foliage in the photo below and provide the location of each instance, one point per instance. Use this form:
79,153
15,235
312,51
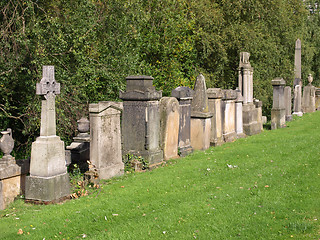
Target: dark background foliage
95,44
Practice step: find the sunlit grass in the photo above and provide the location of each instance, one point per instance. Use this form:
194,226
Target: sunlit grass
261,187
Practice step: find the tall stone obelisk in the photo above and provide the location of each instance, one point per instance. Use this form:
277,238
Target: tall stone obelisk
297,80
48,180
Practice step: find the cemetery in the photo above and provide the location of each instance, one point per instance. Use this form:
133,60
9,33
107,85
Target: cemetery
144,125
159,119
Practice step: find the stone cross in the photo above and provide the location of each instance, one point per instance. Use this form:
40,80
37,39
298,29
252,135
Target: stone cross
49,88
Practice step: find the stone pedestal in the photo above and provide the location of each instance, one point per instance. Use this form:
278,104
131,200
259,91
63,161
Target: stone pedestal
105,135
214,103
200,116
251,114
184,96
297,111
141,119
12,180
239,117
278,111
245,78
48,180
228,110
169,127
288,103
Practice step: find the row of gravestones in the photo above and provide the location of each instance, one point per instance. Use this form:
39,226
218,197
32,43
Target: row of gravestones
282,102
153,127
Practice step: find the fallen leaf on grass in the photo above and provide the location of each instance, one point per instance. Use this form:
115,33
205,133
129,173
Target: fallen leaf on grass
20,231
266,186
122,186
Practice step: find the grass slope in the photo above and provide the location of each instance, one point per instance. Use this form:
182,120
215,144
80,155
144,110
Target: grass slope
262,187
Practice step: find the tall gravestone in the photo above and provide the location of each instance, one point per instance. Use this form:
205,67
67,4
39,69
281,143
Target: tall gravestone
238,113
251,115
105,135
297,64
297,111
141,119
184,96
169,127
288,103
317,97
278,111
309,97
48,180
214,103
200,116
228,110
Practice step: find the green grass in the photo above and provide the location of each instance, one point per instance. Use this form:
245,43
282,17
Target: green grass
272,191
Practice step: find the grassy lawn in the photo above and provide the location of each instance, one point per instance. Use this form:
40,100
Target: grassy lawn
262,187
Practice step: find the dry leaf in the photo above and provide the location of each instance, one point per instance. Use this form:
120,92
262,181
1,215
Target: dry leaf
20,231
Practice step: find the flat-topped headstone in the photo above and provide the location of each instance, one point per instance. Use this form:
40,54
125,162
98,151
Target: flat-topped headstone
141,119
278,107
228,109
184,96
239,118
297,110
214,100
288,103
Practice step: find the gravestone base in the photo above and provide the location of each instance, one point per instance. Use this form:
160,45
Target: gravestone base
229,137
241,135
251,125
111,171
47,189
152,156
299,114
200,133
288,118
278,118
184,151
216,142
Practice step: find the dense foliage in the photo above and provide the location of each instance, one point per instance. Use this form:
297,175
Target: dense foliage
95,44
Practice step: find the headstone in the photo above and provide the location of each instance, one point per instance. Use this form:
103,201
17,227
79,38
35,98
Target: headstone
200,116
288,103
309,97
245,78
297,64
264,119
214,102
258,113
239,117
169,127
12,172
228,110
79,150
105,135
317,94
252,115
48,180
297,101
141,119
184,96
278,111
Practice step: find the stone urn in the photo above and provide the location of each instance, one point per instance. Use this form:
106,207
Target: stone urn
83,125
6,142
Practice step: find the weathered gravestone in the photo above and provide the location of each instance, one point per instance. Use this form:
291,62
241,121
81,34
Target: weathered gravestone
309,97
288,103
200,116
141,119
317,94
252,114
239,117
297,64
184,96
228,110
214,103
169,127
12,172
297,101
278,111
105,135
48,180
